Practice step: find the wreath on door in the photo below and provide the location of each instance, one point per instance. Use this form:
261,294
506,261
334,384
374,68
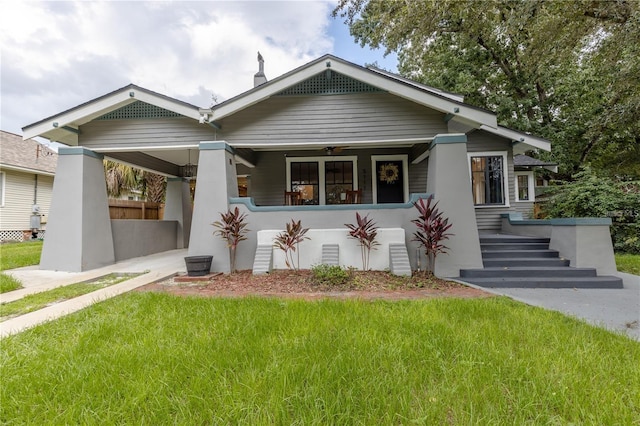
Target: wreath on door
389,173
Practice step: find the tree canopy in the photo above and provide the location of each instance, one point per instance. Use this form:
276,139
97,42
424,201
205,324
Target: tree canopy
565,70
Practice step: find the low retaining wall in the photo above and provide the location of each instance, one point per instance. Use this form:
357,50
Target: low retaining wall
585,241
135,238
349,255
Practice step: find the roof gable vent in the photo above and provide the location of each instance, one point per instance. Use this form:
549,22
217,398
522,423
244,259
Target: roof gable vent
329,83
138,110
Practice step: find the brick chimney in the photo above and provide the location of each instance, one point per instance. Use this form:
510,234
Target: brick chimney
259,77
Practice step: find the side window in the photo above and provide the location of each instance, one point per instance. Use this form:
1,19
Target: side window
488,179
525,186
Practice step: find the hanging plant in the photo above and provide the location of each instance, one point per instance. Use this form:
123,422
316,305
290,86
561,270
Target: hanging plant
389,173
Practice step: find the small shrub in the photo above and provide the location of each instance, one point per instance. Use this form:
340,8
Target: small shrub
365,231
432,230
288,242
332,275
232,228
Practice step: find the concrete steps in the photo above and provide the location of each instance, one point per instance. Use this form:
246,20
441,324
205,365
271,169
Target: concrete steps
263,261
399,260
527,262
331,254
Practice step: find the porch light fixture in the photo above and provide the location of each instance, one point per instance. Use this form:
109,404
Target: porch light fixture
189,170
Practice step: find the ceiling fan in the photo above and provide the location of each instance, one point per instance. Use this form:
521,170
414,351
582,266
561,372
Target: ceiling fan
330,150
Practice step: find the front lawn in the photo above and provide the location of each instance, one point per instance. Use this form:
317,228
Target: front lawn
629,263
146,358
16,255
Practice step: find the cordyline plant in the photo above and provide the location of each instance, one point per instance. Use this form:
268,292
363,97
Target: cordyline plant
288,242
365,231
432,230
232,228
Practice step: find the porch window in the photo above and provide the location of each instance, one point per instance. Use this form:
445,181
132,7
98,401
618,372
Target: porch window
488,179
305,178
524,186
322,180
338,179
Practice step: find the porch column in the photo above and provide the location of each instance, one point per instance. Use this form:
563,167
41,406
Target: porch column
178,207
217,182
79,234
449,180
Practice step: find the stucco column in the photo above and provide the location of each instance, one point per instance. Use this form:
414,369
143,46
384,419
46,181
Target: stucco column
449,180
79,234
178,207
216,182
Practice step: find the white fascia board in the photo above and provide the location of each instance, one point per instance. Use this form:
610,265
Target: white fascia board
519,137
78,116
419,96
25,170
270,89
341,143
97,108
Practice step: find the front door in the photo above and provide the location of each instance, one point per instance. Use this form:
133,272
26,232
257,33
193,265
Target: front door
389,181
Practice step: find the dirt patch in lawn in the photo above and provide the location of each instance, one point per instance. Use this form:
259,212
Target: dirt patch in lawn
301,284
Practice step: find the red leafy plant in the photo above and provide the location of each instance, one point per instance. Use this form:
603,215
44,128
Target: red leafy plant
232,227
289,240
432,230
365,231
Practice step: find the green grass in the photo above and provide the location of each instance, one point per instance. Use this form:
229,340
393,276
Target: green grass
146,358
629,263
16,255
36,301
8,283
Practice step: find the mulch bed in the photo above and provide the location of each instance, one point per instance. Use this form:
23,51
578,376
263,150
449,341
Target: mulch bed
301,284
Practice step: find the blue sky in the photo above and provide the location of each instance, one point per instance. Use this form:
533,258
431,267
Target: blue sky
58,54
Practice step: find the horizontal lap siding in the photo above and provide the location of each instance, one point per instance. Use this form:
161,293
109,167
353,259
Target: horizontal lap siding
525,208
135,132
18,200
331,119
268,179
488,218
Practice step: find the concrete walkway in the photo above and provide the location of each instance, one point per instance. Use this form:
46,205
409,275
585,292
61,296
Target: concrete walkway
616,310
155,267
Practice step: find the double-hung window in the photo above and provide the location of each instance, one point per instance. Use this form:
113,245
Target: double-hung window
525,186
489,178
322,180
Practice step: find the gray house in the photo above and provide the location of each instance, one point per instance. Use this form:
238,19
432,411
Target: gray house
305,145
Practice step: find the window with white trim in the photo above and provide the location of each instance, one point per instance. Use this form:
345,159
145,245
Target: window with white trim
525,186
489,178
322,180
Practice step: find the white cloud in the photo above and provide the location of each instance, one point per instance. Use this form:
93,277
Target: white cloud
56,55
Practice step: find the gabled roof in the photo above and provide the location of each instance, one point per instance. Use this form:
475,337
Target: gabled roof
445,102
522,160
63,127
26,155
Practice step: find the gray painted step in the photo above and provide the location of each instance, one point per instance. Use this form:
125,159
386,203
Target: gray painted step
513,239
330,254
524,261
514,246
263,261
501,254
399,260
605,282
528,272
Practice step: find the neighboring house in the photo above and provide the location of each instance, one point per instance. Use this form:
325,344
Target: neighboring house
27,169
321,130
526,183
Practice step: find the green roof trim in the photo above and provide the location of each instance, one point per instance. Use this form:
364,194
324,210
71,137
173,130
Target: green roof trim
139,110
329,82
